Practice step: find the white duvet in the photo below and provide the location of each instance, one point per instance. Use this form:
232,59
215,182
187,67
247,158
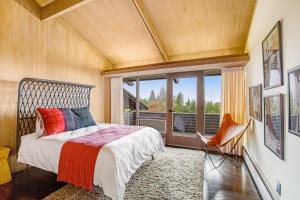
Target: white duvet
116,161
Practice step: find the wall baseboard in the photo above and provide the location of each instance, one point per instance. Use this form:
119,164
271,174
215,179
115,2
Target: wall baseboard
265,192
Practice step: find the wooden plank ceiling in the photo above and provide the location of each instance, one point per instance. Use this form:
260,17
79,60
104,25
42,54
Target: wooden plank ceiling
140,32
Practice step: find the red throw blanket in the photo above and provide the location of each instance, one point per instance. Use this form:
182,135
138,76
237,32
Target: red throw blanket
78,156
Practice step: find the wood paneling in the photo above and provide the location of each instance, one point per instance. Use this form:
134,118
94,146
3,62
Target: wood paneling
107,63
141,32
152,30
117,30
30,48
195,26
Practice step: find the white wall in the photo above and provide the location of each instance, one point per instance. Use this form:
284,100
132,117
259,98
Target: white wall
286,171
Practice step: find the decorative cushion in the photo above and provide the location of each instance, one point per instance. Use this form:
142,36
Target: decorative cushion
83,118
53,120
69,116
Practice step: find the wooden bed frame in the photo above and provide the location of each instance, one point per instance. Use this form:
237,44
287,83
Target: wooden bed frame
34,93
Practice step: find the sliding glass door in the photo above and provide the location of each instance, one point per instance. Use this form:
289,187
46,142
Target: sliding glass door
212,97
185,109
145,102
153,96
177,105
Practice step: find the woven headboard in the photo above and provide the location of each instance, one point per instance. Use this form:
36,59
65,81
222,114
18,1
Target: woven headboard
34,93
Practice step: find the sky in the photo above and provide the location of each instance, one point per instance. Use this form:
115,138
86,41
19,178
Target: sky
186,85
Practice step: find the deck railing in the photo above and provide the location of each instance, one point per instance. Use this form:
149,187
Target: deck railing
183,122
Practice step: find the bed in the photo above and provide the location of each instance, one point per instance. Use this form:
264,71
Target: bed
116,162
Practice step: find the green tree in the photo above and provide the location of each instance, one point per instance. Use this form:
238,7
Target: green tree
152,96
211,107
189,106
179,102
193,106
144,101
162,95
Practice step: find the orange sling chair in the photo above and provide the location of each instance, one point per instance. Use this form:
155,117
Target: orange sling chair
226,133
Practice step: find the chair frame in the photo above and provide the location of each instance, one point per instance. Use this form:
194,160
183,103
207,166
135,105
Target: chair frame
226,156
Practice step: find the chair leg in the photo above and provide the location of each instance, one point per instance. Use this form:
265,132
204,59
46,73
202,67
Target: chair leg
225,157
236,157
210,158
206,152
212,162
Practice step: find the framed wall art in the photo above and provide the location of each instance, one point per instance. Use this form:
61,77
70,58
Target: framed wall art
294,100
255,102
274,124
272,58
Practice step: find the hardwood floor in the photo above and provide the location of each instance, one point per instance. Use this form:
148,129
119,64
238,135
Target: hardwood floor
226,183
30,184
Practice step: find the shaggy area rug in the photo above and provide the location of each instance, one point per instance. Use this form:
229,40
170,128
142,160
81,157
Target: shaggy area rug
174,174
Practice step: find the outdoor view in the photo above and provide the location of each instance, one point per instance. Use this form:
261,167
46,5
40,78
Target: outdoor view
212,88
153,95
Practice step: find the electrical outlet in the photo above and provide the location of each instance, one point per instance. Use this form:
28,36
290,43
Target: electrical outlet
278,188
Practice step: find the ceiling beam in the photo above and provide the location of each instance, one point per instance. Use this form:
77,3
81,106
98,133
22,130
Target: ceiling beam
225,61
32,6
150,27
208,53
60,7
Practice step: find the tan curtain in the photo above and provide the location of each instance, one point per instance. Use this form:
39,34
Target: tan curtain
233,99
116,86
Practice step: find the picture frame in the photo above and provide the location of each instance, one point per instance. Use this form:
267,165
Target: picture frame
272,58
274,124
255,102
294,101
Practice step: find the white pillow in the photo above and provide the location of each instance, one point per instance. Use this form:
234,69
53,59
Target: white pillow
39,124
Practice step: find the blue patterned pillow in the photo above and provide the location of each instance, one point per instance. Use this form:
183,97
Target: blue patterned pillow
83,118
69,116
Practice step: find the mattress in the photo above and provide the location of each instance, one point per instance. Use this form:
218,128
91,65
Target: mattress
116,162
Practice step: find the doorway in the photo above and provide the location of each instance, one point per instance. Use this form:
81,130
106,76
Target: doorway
185,106
177,105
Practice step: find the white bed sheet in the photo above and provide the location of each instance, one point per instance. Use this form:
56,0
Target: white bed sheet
116,161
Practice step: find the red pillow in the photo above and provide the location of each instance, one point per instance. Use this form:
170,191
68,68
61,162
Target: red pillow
53,120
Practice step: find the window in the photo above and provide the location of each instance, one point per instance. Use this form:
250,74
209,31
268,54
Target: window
153,94
152,102
185,106
212,88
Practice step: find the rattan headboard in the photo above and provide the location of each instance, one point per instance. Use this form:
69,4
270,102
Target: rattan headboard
34,93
